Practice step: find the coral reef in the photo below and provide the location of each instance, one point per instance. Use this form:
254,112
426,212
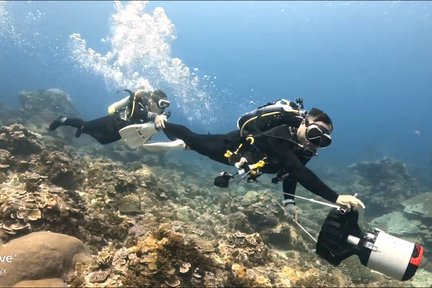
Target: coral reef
384,185
412,223
41,255
8,115
167,259
19,141
39,108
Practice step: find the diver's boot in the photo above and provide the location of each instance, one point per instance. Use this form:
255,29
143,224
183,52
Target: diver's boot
57,123
165,146
78,131
68,121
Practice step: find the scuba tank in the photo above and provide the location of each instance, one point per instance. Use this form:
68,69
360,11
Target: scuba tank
126,107
119,107
340,237
271,115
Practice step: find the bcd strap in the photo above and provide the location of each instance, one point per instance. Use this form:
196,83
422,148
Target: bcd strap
134,100
133,106
254,170
241,162
273,118
228,154
249,140
256,117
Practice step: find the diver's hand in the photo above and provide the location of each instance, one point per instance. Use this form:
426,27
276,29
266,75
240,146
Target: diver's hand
349,201
160,121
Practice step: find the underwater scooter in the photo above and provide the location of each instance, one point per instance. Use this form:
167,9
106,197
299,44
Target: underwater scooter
340,237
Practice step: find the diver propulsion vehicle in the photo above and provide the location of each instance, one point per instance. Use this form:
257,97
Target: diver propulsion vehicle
340,237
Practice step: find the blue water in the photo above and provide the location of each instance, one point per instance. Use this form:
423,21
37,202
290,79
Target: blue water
368,64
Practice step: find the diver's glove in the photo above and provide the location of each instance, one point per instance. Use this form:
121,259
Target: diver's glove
159,121
349,201
290,209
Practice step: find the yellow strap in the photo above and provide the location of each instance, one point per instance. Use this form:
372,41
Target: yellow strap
235,152
228,154
259,164
250,139
133,106
254,167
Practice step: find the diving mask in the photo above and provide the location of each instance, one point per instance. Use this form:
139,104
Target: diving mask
163,104
318,135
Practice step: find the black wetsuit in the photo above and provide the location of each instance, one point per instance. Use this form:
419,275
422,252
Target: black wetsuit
106,129
282,155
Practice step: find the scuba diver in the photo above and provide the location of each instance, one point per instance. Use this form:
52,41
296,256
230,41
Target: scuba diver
278,138
137,108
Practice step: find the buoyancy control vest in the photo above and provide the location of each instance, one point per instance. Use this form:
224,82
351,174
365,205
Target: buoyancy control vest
248,158
271,115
